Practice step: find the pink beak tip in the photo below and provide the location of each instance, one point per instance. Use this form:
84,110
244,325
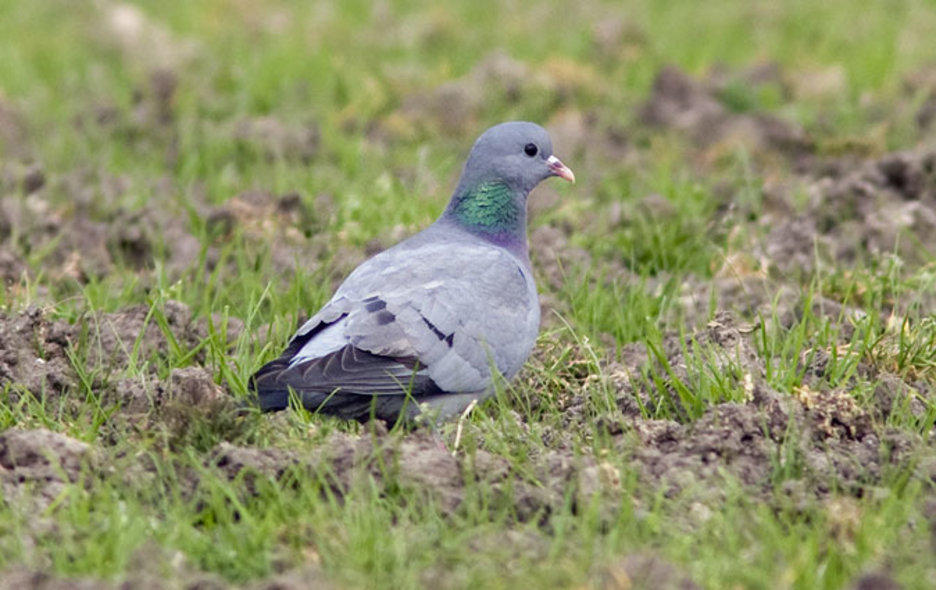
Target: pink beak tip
560,169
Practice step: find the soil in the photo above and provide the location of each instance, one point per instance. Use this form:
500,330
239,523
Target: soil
36,464
644,571
88,239
877,581
702,111
34,353
24,579
858,206
455,106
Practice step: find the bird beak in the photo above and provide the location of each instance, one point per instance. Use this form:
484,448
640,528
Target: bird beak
559,169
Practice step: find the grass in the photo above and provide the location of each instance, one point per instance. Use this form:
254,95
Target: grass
351,70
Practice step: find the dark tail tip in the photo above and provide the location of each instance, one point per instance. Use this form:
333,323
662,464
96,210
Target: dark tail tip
262,396
267,401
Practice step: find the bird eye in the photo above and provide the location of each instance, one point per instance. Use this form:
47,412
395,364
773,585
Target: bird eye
530,149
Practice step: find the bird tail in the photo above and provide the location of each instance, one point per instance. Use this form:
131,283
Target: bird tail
269,394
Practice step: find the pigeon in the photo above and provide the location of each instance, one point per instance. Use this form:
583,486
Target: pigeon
425,326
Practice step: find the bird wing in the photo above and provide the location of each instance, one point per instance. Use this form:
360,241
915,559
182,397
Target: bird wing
432,316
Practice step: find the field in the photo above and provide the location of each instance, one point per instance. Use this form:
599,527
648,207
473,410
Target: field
735,382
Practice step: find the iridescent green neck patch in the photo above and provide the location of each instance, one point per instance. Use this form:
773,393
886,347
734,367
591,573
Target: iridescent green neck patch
491,208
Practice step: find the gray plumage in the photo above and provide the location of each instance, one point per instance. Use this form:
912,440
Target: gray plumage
424,323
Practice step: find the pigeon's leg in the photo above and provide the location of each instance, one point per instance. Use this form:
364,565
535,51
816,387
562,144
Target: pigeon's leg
461,424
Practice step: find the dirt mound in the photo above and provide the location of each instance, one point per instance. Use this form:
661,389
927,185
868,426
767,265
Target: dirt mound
36,464
819,448
701,110
190,388
859,207
419,463
821,439
876,581
277,140
26,579
879,207
458,106
95,234
34,353
287,225
418,467
14,136
644,571
37,354
138,333
455,106
80,245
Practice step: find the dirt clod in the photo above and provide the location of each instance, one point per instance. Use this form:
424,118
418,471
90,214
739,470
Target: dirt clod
138,332
834,414
309,577
699,110
643,571
44,461
33,354
24,579
876,581
869,208
251,463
